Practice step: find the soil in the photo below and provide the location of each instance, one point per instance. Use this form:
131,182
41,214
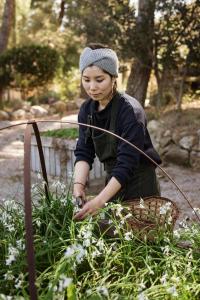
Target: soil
11,168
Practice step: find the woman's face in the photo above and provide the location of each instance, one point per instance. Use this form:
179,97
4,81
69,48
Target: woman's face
97,84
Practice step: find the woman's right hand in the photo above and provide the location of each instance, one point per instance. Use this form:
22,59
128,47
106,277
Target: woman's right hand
79,191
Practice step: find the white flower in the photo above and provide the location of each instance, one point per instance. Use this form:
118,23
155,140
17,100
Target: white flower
163,279
64,282
76,251
196,209
102,215
165,208
177,234
89,292
69,252
172,290
141,286
20,244
12,254
9,275
101,244
38,222
87,242
142,296
141,203
128,236
103,290
165,250
95,253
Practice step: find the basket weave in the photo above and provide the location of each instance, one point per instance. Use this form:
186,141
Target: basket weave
146,220
151,213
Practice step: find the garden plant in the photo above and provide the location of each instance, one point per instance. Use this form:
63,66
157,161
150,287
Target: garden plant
77,260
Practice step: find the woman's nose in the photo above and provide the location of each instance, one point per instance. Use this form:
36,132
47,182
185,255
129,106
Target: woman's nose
93,86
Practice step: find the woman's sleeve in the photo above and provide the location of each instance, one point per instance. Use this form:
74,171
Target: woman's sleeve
128,158
84,148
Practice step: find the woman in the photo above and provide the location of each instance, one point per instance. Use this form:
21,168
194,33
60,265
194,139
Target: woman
129,174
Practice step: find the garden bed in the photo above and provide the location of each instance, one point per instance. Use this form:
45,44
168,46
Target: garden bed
58,146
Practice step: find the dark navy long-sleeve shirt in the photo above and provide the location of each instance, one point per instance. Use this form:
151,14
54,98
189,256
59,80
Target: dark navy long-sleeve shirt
131,124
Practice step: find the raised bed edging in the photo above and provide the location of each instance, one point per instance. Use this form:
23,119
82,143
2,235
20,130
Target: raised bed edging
59,158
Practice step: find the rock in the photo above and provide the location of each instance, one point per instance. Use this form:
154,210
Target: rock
18,114
187,142
26,106
38,111
167,133
165,141
59,106
195,160
71,105
154,126
177,155
4,116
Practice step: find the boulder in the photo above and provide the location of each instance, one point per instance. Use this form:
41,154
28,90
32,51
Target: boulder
4,116
187,142
59,106
38,111
18,114
177,155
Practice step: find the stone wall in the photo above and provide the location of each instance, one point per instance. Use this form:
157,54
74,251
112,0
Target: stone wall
179,147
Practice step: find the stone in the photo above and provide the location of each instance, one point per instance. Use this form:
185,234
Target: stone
195,160
38,111
18,114
165,141
167,133
4,116
59,106
177,155
154,126
187,142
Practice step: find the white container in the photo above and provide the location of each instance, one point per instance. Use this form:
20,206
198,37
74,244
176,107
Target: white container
59,158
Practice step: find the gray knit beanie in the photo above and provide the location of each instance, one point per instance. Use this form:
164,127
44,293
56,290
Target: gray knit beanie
104,58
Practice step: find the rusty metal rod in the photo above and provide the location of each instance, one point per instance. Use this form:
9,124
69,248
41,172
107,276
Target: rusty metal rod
119,137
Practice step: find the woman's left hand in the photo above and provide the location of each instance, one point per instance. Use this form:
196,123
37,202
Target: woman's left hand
90,208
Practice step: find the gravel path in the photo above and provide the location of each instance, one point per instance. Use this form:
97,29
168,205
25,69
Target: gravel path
11,170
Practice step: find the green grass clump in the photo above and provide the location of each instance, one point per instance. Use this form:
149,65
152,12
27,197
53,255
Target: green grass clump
77,260
69,133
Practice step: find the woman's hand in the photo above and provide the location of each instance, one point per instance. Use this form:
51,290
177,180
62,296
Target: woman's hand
90,208
79,191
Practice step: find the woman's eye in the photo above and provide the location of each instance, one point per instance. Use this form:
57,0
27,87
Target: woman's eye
99,80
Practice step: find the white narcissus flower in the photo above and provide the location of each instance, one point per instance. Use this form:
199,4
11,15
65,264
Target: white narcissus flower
141,203
128,236
142,296
103,290
165,208
172,290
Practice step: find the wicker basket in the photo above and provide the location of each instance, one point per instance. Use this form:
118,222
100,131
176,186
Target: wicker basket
151,213
148,215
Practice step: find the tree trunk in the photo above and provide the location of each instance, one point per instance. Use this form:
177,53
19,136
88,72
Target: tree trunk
7,22
142,64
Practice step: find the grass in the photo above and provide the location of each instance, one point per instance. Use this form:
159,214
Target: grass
80,261
69,133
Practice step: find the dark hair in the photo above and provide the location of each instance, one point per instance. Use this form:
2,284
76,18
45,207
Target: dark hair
95,46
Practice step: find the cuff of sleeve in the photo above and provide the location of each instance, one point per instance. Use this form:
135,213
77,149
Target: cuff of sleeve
121,179
80,159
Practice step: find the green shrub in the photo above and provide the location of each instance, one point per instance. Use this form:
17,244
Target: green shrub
28,66
70,133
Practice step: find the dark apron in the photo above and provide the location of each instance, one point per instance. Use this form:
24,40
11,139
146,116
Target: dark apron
144,181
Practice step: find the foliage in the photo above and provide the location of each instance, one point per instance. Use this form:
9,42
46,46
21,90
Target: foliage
176,44
70,133
28,66
79,261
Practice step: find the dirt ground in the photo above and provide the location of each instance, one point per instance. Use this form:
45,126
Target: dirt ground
11,171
